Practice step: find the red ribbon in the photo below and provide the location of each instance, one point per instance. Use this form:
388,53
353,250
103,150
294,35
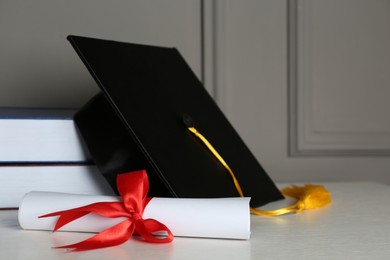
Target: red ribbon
133,188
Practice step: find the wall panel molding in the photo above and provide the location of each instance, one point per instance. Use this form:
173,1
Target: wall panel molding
214,49
337,84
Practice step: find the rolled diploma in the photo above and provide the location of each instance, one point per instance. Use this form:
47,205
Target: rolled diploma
213,218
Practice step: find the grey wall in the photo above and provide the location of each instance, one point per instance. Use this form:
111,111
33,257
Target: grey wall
38,67
305,82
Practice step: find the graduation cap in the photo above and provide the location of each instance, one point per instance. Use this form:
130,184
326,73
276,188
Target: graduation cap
149,97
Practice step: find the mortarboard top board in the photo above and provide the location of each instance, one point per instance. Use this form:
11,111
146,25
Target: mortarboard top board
136,122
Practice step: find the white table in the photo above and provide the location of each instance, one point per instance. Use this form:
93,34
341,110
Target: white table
355,226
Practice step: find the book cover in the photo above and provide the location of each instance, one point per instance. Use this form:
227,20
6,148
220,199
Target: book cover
39,135
16,181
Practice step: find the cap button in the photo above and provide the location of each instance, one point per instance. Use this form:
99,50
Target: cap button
187,120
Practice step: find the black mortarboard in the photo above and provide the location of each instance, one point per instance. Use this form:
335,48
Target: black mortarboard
139,120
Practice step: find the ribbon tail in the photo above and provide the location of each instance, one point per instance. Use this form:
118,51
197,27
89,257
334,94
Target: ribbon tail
148,228
65,217
112,236
106,209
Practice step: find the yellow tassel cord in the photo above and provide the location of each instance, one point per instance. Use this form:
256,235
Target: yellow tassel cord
309,196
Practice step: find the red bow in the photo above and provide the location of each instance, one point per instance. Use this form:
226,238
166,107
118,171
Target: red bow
133,188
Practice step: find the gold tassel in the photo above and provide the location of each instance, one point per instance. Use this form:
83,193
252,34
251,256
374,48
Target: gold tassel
309,196
312,196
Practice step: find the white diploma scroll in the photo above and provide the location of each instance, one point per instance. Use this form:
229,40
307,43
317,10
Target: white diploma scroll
210,218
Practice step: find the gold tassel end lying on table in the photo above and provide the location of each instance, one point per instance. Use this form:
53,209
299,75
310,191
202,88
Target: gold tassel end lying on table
309,196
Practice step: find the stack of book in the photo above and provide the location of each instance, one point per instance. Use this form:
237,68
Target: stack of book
40,150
